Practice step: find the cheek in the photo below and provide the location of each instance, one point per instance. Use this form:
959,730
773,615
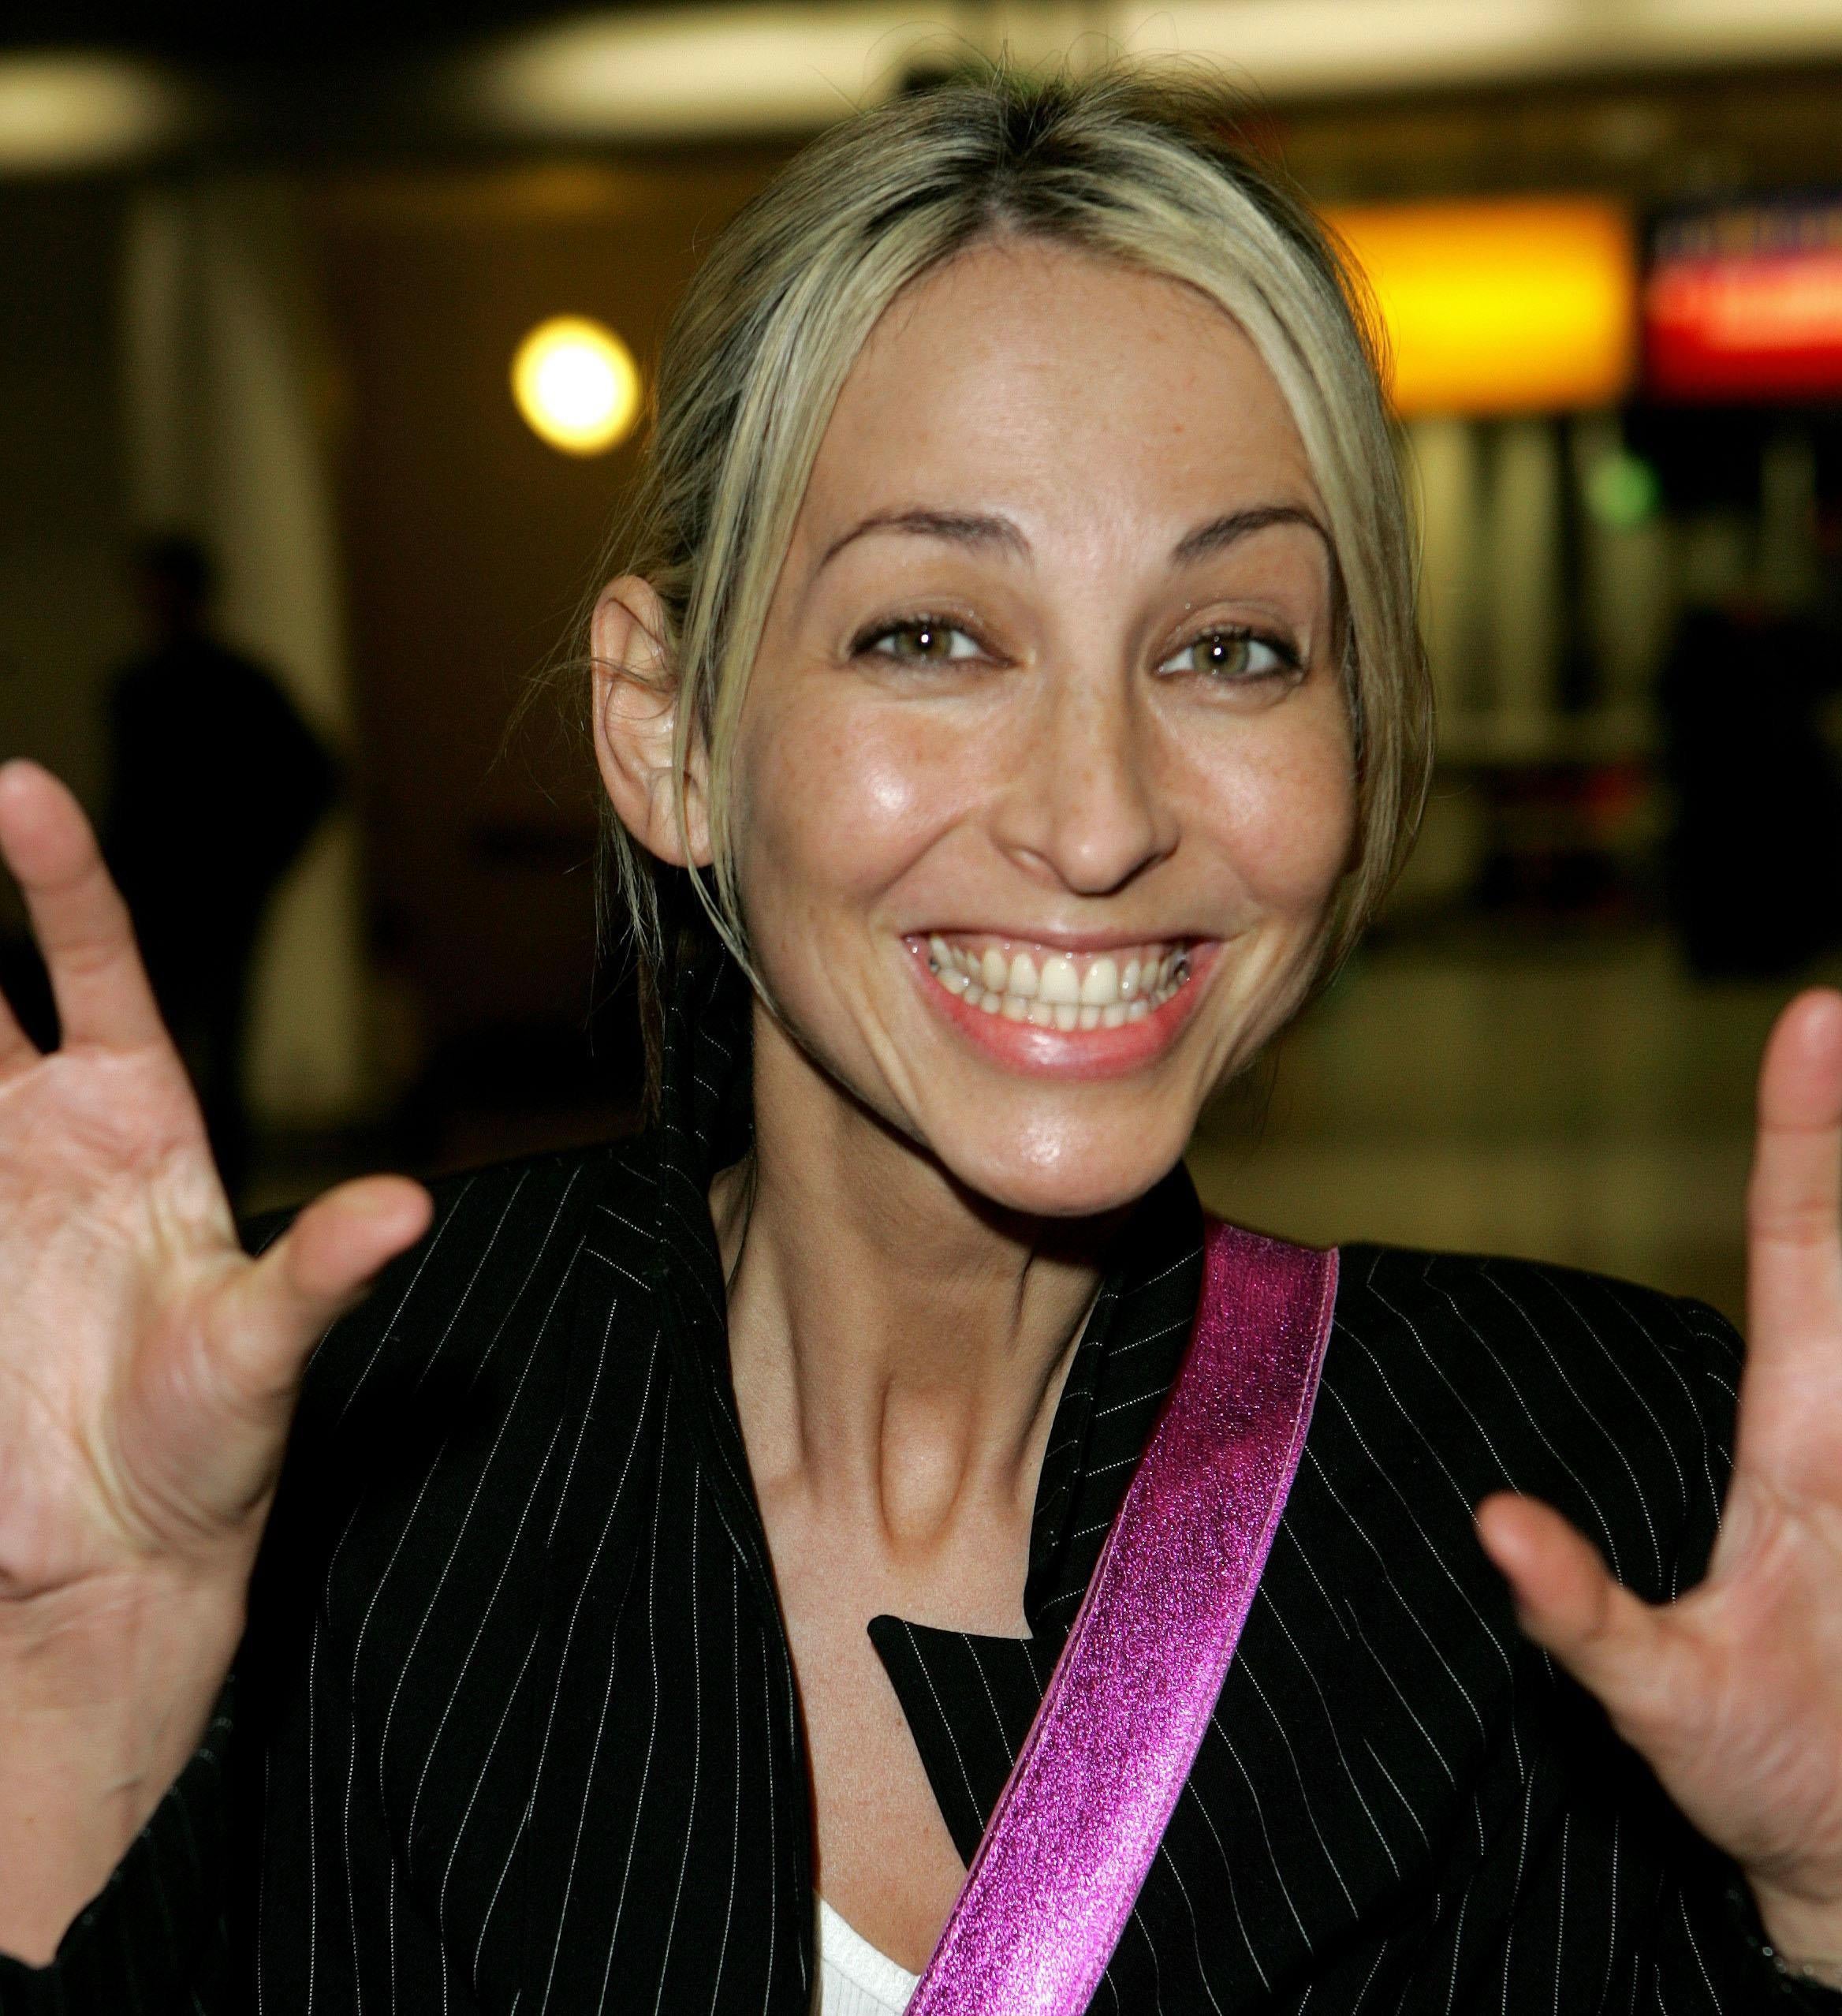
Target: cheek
834,802
1288,823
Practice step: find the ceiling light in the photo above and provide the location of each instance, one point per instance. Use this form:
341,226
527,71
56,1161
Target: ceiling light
576,384
61,113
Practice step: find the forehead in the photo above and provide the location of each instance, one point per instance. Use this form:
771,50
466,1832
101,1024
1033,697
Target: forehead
1063,387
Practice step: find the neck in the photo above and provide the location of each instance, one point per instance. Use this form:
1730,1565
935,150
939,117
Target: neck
898,1344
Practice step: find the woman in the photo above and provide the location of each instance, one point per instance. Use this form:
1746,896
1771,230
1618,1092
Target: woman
1017,645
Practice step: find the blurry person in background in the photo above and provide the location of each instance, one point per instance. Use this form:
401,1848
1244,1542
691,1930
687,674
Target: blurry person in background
1754,860
216,784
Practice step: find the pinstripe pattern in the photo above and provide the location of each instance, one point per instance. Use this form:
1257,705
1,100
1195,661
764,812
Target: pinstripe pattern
515,1727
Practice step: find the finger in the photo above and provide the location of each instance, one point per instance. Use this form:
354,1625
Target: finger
1615,1646
1795,1254
81,920
318,1269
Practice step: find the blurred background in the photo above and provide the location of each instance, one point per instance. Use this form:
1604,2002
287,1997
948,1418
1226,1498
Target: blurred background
323,335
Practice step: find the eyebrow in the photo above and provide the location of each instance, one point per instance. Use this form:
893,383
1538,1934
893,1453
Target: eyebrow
1224,532
974,529
989,530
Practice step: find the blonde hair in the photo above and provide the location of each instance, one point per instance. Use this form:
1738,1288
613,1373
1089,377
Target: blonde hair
1130,167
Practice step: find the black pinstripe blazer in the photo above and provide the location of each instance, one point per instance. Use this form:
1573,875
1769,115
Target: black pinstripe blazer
515,1728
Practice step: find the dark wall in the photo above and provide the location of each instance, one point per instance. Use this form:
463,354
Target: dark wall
63,527
469,544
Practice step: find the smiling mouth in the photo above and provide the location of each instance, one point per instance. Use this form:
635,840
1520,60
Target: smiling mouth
1021,982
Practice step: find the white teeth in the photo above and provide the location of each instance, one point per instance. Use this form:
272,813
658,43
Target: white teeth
1101,984
1059,994
1059,981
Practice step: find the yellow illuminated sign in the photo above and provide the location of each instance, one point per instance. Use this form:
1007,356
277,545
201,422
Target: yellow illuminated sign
576,384
1520,305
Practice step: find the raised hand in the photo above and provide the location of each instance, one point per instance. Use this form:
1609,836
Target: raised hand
1734,1693
148,1376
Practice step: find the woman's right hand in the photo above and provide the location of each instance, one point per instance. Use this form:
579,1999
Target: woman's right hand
148,1372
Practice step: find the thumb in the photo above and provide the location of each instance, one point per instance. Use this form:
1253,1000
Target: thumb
318,1270
1617,1646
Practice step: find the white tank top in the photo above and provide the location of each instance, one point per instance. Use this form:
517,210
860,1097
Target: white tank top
854,1978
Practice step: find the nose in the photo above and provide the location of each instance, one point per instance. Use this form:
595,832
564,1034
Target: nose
1081,804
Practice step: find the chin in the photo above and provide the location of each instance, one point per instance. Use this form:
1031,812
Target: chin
1074,1179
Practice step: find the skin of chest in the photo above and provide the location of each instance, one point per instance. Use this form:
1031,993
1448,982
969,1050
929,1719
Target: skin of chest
886,1862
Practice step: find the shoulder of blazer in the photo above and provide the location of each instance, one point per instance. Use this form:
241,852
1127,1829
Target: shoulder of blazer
1612,1401
502,1237
429,1414
476,1313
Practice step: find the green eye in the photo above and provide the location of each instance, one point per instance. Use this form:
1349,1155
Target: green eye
921,641
1232,654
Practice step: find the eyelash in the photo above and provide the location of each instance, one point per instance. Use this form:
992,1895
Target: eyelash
1290,662
862,646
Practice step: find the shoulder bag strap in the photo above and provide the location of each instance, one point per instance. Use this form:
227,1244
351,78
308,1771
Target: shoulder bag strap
1077,1826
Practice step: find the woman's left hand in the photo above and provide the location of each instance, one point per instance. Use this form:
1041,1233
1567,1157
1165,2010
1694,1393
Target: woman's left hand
1734,1692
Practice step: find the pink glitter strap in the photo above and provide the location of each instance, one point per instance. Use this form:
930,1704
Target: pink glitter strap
1078,1825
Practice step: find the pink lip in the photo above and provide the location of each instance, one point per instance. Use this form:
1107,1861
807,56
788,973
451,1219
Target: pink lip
1070,1053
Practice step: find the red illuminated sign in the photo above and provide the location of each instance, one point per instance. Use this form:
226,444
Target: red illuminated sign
1746,303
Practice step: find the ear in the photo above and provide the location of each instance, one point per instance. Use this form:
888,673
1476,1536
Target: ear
636,710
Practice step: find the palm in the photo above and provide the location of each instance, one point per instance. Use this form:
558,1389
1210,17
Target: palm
1757,1763
1734,1692
146,1366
